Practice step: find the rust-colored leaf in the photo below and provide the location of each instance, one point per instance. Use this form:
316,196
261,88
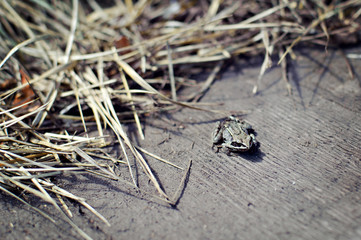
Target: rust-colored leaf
122,42
26,94
8,84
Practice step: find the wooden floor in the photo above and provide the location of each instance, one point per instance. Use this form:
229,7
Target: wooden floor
303,183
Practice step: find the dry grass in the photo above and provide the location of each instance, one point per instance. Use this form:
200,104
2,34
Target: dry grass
74,67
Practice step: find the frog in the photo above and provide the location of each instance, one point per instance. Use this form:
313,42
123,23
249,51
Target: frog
234,136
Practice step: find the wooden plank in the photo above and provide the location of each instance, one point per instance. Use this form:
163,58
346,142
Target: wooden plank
303,183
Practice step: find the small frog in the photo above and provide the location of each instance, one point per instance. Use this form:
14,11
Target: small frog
234,135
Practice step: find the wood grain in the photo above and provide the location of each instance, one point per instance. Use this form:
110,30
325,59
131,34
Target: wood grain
303,183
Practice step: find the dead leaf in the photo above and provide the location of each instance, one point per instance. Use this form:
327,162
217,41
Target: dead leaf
26,94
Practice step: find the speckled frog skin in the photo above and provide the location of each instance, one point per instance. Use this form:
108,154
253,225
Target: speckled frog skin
233,135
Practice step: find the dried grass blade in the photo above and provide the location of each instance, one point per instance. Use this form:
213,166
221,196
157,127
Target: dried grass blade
265,13
72,138
349,66
109,115
267,62
239,26
44,75
171,73
135,114
127,89
149,173
71,36
81,232
17,107
86,157
213,8
40,165
65,207
158,158
19,46
109,118
46,196
178,193
315,22
59,191
37,176
27,204
196,96
118,129
284,73
26,29
29,189
96,213
15,120
138,79
50,99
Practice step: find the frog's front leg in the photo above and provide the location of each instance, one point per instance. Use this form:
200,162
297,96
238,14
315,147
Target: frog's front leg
217,148
217,134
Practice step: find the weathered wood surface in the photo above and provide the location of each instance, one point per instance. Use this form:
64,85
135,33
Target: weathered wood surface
304,183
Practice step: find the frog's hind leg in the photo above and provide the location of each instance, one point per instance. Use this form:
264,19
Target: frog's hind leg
255,143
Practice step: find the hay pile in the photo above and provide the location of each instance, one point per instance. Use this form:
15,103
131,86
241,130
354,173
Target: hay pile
71,68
